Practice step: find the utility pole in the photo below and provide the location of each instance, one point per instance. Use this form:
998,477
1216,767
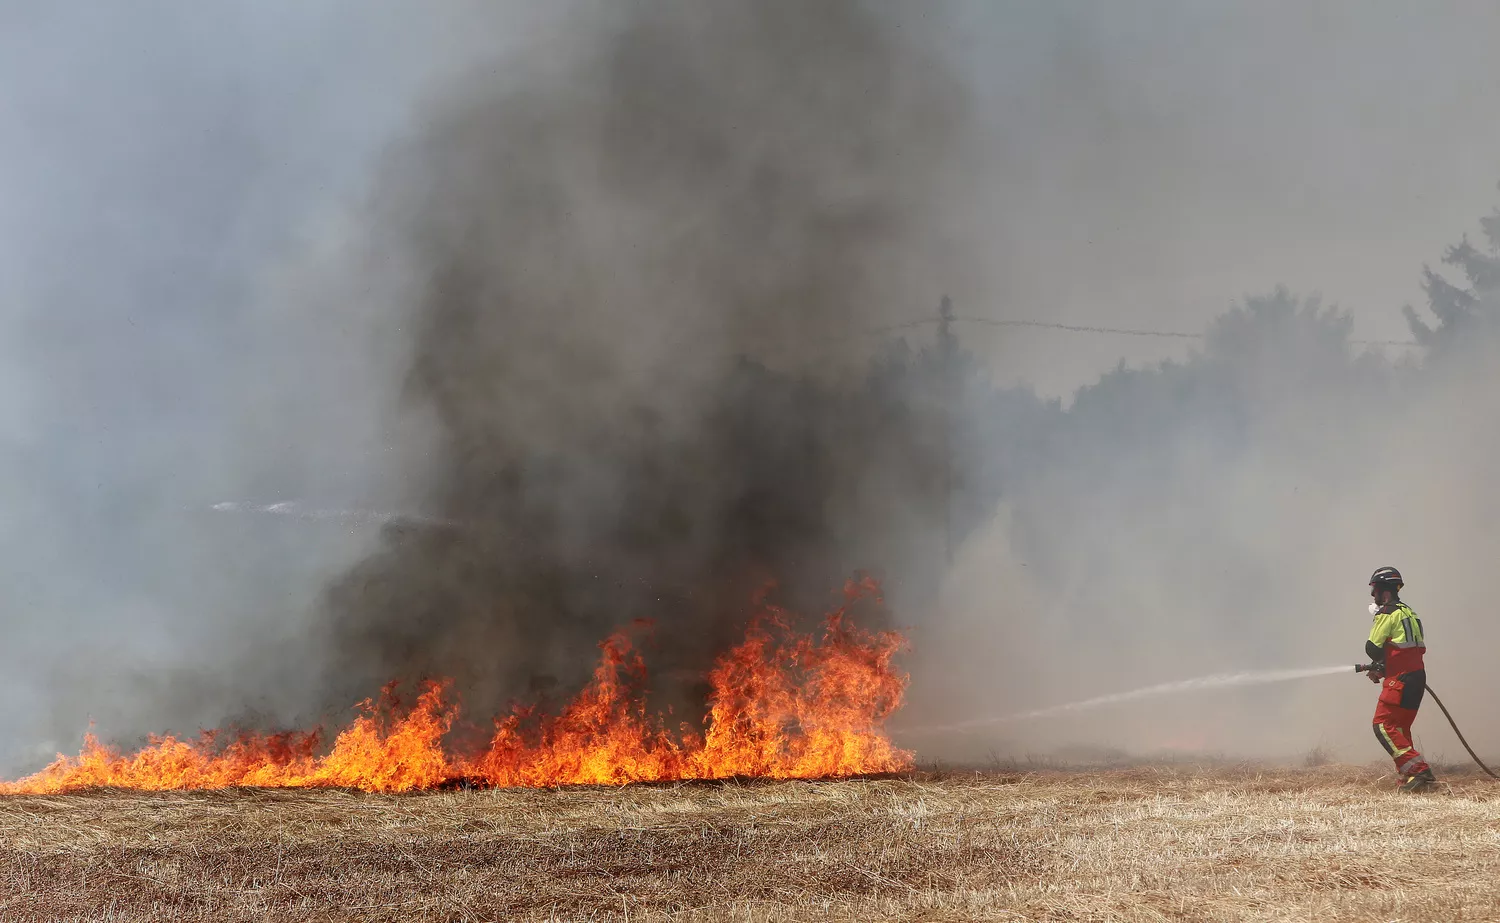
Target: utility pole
947,352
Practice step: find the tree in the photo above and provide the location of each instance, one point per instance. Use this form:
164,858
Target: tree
1465,315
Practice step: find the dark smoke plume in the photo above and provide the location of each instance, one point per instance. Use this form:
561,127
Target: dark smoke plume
605,248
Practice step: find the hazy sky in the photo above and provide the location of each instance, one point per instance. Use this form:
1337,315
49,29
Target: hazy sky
170,174
1150,161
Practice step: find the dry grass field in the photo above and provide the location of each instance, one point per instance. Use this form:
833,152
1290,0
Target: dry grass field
1184,843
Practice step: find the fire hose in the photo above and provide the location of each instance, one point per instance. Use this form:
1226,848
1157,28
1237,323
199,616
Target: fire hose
1374,668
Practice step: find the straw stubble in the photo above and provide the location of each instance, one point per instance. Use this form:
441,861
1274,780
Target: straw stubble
1180,843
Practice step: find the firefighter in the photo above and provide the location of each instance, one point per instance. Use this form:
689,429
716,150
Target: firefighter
1396,647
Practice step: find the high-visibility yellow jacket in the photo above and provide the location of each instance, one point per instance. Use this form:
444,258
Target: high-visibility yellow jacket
1396,639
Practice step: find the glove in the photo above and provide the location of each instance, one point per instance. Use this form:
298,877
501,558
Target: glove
1375,676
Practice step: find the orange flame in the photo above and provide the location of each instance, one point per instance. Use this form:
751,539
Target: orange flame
781,705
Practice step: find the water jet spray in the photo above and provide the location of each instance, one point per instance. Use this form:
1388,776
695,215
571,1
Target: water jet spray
1215,681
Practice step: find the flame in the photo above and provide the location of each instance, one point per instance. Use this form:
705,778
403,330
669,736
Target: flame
782,705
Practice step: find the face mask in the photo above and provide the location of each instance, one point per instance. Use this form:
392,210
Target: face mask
1374,609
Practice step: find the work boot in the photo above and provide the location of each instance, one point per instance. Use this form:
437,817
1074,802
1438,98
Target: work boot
1421,781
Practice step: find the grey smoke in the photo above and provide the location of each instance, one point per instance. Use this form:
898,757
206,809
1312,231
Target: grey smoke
167,170
679,184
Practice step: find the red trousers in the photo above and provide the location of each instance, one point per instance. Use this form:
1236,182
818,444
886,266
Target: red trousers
1393,722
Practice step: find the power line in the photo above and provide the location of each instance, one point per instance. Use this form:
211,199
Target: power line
1075,328
1385,342
994,322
